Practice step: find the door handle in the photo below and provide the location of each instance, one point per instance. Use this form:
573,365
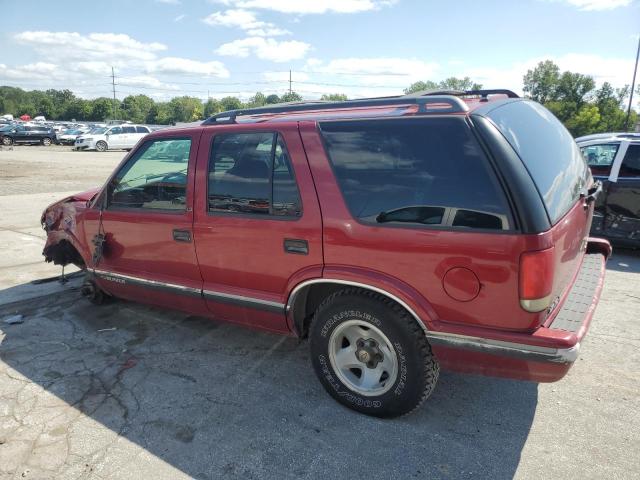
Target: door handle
296,245
182,235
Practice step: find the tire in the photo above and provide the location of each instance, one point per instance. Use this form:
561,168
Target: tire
7,141
400,361
101,146
46,141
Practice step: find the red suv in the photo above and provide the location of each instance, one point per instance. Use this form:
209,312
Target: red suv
400,234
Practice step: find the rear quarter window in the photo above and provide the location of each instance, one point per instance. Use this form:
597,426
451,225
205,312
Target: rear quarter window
418,171
547,150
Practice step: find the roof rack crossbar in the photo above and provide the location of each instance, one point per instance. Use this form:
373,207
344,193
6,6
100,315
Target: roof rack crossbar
456,105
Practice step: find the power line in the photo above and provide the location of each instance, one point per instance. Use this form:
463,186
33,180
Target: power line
113,84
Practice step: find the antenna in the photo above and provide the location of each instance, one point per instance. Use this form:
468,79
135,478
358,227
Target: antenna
113,83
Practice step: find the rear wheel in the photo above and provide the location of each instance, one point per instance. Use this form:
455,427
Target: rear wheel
46,141
101,146
371,355
7,141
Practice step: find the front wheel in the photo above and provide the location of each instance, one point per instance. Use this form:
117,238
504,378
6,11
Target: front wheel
7,141
371,355
46,141
101,146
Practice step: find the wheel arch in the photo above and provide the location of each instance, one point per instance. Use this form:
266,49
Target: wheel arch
307,296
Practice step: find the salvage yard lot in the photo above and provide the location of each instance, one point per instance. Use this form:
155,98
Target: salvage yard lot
129,391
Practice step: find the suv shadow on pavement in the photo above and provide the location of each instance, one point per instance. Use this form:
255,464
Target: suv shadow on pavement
216,400
625,260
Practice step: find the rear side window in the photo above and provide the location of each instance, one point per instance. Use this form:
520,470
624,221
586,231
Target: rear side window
252,173
548,151
128,130
600,157
423,171
142,130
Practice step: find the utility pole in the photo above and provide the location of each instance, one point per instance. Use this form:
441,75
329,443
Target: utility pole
113,83
289,82
633,86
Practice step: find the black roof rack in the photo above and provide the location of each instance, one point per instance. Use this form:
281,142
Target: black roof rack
465,93
455,105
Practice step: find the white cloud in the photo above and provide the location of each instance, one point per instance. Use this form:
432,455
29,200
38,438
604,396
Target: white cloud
377,67
265,49
180,17
170,2
175,65
311,6
245,20
598,4
83,62
95,46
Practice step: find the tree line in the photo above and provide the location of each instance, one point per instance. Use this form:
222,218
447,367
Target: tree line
572,97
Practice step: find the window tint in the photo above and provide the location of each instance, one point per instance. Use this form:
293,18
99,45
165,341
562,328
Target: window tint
600,157
252,173
419,171
548,151
154,178
114,131
631,163
142,130
128,130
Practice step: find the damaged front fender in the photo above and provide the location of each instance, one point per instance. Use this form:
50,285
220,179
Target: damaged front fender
60,221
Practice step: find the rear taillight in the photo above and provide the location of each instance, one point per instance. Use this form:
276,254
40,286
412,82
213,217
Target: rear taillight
536,279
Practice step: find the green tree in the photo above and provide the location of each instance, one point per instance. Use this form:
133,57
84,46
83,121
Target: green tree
258,100
136,108
185,109
77,109
451,83
584,121
211,107
101,109
230,103
334,97
541,83
461,84
290,97
421,86
273,98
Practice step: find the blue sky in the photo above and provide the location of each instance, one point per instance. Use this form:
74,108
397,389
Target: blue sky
358,47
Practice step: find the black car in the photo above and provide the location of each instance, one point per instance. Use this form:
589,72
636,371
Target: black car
27,134
614,159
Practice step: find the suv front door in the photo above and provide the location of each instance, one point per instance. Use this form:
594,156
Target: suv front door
115,137
147,223
257,229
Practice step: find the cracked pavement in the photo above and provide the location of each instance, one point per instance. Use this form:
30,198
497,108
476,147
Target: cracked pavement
125,390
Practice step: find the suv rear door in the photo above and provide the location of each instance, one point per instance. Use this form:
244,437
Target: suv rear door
561,176
257,224
623,198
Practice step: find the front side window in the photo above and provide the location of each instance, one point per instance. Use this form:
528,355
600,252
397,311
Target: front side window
600,157
425,171
154,178
115,131
252,173
631,162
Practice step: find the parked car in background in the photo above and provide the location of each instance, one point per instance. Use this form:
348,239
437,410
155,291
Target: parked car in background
117,137
399,234
28,134
614,159
68,137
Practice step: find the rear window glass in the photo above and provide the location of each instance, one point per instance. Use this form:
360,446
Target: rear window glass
548,151
426,171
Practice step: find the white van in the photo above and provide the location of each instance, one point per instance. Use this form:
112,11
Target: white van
123,137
